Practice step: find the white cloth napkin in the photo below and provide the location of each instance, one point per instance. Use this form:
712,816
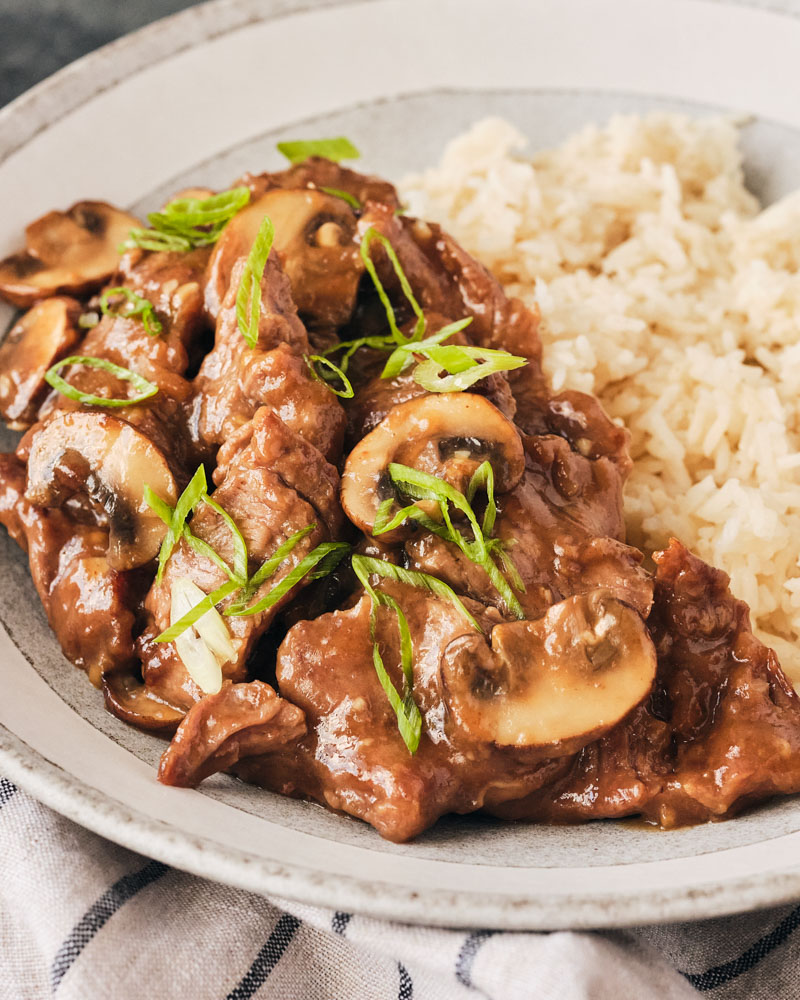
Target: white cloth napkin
81,918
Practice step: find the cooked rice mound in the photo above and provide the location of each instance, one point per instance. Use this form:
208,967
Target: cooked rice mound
667,292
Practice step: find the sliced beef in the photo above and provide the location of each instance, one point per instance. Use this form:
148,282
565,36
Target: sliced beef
235,380
354,758
240,721
276,485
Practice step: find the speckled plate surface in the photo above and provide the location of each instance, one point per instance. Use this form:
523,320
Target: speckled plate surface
201,97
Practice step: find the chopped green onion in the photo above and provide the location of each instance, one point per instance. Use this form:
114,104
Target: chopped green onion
204,549
351,199
369,237
462,365
403,356
329,553
197,612
483,478
351,346
336,149
315,359
248,298
175,519
365,566
409,720
88,320
186,223
510,567
146,389
240,558
422,486
136,305
268,567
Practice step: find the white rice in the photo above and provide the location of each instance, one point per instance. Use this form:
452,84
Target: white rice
665,291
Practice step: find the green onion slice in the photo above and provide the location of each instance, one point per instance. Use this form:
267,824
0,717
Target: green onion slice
136,305
403,356
346,392
336,149
480,550
366,566
323,560
175,519
465,366
151,239
351,199
88,320
409,720
351,346
371,236
248,298
197,612
186,223
271,564
240,559
146,389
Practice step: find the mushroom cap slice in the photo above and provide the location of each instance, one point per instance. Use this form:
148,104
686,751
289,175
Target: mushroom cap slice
46,333
73,252
129,699
110,462
556,683
314,234
447,435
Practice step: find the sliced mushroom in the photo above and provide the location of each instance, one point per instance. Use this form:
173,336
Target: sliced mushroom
44,335
110,462
129,699
314,235
73,252
558,682
447,435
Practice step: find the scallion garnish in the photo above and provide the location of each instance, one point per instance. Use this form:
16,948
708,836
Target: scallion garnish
413,578
186,223
175,519
197,612
240,557
248,298
336,149
371,236
313,360
351,199
464,365
88,320
146,389
403,355
481,549
152,239
409,720
318,563
135,305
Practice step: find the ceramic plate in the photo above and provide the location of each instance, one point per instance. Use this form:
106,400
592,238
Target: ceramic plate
203,96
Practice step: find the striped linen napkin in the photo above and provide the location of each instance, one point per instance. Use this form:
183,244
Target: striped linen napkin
81,918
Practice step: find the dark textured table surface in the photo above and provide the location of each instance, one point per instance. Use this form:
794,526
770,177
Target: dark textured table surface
37,37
